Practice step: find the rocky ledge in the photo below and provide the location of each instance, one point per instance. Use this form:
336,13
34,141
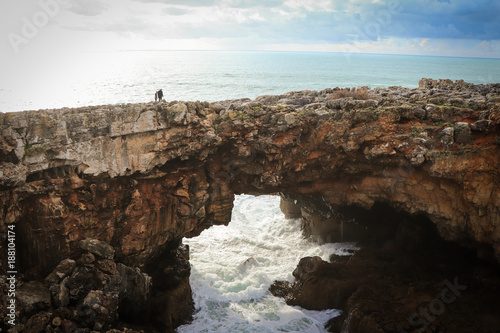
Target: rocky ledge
140,177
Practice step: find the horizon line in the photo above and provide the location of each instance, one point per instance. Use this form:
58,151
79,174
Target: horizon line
291,51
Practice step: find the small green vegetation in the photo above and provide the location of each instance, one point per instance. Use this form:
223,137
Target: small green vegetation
217,128
240,115
417,130
31,150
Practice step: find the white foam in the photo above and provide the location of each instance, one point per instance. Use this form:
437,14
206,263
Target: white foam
233,267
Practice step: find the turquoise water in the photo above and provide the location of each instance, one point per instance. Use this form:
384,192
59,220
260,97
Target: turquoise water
134,76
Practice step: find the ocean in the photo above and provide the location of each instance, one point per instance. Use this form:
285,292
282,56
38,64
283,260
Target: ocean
134,76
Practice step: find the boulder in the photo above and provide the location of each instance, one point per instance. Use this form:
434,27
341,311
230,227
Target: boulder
434,113
481,125
37,323
65,268
60,294
290,208
33,297
417,155
100,309
97,247
462,133
420,113
446,137
134,292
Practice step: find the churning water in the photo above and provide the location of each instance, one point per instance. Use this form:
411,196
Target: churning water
233,267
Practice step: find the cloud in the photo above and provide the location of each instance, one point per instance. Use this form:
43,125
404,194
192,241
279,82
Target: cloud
486,46
175,11
392,25
252,3
88,7
323,20
189,3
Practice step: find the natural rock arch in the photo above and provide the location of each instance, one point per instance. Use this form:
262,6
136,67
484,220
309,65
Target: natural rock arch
142,176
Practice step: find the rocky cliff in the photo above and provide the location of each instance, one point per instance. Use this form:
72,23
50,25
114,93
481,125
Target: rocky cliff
143,176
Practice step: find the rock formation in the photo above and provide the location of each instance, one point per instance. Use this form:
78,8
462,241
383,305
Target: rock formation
405,278
140,177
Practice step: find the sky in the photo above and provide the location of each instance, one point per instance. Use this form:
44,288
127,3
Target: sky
55,28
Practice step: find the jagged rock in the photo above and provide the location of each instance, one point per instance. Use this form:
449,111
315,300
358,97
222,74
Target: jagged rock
404,285
100,289
87,259
462,133
171,301
107,266
101,309
37,323
434,112
60,294
178,113
481,125
417,155
98,247
134,293
307,266
62,270
82,281
315,287
447,137
420,113
290,209
33,297
406,112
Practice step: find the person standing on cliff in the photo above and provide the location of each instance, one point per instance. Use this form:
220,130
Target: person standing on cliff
159,94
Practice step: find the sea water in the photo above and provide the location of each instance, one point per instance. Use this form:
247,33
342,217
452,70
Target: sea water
233,267
134,76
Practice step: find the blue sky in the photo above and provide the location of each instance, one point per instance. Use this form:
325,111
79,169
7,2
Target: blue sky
429,27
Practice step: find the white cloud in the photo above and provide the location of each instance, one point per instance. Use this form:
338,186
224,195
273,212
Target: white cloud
416,27
88,7
486,46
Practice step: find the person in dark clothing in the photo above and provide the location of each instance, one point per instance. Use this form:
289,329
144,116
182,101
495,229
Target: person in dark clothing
156,96
159,93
